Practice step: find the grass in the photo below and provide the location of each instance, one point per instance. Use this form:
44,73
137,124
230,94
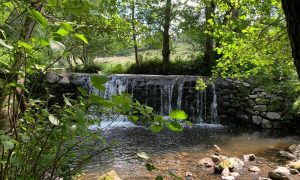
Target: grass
181,54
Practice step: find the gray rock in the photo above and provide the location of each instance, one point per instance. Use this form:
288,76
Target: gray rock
262,101
234,174
273,115
294,148
254,169
266,124
52,78
215,158
287,155
281,173
249,157
253,96
64,80
246,84
257,119
228,178
206,162
260,108
258,89
237,163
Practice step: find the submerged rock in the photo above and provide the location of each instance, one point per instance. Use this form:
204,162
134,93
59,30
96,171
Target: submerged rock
281,173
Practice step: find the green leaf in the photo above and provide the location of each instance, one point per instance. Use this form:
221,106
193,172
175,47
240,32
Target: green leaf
82,38
38,17
82,91
178,114
159,178
150,167
133,118
24,45
8,144
62,32
156,128
175,126
5,45
67,101
98,82
9,5
143,155
53,120
67,26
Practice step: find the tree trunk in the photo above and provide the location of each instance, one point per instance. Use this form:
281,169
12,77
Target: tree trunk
166,38
292,14
209,49
134,33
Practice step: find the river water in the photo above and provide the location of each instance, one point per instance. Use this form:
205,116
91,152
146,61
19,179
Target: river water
180,152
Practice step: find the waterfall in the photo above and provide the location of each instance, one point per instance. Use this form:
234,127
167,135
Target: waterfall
213,107
164,94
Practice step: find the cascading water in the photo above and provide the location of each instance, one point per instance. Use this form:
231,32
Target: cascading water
164,94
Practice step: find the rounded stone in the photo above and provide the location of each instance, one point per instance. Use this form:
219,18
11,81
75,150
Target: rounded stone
257,119
273,115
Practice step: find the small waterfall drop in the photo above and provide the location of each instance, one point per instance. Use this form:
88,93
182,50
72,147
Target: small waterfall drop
164,94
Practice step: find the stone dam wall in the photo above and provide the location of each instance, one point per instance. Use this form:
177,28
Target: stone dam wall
224,101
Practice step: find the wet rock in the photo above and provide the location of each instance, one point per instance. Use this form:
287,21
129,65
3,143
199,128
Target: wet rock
110,175
234,174
228,178
225,172
206,162
294,171
249,157
262,101
257,119
281,173
236,163
295,149
287,155
260,108
273,115
254,169
266,124
216,158
217,148
188,176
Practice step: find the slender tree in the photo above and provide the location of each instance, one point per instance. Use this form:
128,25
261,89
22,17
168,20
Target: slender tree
208,52
166,36
134,34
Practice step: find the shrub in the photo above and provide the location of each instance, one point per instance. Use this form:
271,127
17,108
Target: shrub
88,68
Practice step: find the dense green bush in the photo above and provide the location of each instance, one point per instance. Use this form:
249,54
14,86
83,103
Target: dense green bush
88,68
178,66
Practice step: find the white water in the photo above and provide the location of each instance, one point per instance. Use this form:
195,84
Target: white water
196,105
